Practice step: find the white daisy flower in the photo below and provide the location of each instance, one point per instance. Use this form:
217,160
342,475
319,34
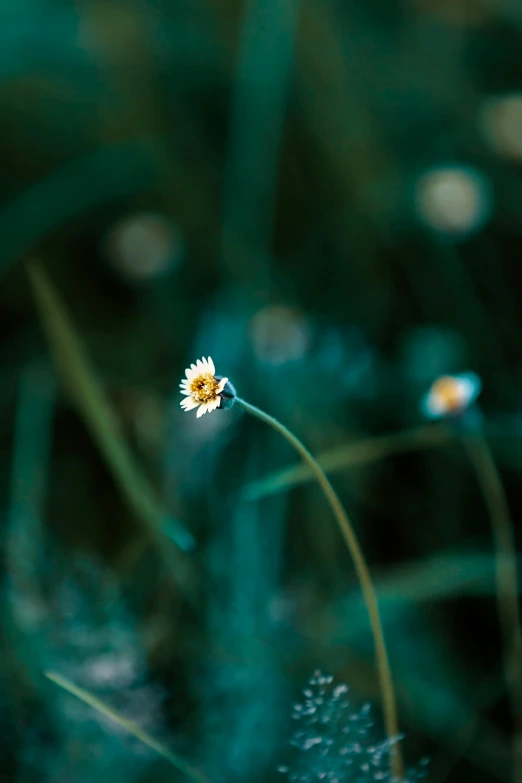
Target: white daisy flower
451,395
201,388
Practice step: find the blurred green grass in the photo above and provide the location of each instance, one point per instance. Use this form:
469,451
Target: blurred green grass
325,197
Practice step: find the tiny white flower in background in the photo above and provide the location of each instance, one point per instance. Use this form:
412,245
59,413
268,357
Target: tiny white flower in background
451,395
201,388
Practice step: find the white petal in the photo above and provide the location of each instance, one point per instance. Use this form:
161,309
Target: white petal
464,391
469,387
223,382
202,409
200,365
210,365
186,392
191,372
432,407
188,404
213,404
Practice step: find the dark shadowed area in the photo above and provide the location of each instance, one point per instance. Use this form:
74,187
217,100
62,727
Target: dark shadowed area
325,197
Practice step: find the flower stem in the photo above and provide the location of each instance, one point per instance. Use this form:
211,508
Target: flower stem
506,581
363,572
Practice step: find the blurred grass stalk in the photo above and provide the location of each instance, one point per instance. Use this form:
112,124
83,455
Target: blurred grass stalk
358,453
128,725
506,581
363,573
30,467
262,85
24,537
80,380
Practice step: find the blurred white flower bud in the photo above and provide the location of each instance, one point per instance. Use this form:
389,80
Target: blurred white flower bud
279,334
455,200
144,246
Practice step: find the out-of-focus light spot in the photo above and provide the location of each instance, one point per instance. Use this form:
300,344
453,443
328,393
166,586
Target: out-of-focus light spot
279,334
455,200
113,668
144,246
500,121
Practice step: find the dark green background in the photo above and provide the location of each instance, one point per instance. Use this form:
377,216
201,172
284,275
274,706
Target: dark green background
281,144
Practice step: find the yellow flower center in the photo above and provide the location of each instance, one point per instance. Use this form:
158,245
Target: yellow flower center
449,394
204,388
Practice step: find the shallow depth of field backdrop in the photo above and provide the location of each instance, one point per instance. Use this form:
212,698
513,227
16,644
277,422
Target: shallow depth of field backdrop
325,196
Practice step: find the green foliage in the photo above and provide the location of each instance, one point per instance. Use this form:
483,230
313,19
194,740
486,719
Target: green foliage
325,197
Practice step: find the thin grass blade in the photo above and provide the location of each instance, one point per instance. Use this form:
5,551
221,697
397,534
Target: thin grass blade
357,453
128,725
80,379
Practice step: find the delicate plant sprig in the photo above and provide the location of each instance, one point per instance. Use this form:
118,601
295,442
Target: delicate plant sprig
202,388
336,740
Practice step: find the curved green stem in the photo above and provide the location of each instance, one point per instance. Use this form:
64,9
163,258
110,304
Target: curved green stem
506,580
363,572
